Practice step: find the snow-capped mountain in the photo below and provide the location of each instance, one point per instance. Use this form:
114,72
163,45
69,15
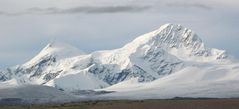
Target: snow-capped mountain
147,59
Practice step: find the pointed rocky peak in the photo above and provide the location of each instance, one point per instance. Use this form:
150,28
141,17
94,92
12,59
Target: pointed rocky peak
173,35
185,43
177,40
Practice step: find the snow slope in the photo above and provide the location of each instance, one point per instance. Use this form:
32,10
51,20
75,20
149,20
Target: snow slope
212,81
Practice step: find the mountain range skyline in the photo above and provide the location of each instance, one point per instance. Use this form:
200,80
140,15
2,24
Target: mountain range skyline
161,64
89,25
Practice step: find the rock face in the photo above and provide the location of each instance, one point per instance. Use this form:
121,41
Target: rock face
148,57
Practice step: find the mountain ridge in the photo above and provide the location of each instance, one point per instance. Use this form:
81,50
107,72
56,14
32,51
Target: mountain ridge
149,57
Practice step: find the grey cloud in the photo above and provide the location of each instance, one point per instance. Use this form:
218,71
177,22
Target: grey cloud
89,9
190,5
82,9
12,14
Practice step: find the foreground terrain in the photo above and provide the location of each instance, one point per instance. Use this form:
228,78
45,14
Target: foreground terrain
143,104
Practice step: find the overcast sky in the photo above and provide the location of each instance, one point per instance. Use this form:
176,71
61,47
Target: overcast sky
26,26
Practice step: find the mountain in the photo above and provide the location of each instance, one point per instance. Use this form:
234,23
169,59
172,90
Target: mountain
40,64
169,55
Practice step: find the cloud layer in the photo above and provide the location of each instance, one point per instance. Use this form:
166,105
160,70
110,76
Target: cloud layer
190,5
109,9
80,9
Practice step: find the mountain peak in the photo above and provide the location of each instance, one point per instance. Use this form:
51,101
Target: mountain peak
58,50
177,31
58,44
179,41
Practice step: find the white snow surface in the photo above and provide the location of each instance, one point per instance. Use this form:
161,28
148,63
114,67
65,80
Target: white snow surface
211,81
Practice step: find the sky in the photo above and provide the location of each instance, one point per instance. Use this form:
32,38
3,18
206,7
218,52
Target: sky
27,26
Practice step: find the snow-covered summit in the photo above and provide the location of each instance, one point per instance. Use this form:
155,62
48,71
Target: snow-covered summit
58,50
178,41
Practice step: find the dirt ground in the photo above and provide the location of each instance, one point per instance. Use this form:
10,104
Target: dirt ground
143,104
